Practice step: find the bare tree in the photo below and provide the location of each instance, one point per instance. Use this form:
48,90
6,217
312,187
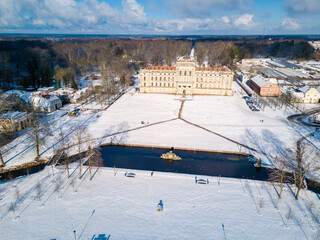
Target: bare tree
81,137
39,126
279,174
305,162
94,158
63,151
2,164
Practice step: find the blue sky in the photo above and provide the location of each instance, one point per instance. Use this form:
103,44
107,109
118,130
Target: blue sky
177,17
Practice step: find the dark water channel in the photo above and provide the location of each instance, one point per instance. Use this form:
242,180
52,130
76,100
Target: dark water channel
192,162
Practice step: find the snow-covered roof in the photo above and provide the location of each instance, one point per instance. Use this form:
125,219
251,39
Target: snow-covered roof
260,81
13,115
46,89
304,89
296,93
15,92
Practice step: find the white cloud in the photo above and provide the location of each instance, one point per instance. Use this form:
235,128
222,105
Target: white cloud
303,6
204,8
290,24
245,22
225,19
233,23
71,14
133,12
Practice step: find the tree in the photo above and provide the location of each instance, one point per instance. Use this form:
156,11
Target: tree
81,138
94,158
5,63
59,73
46,76
33,70
2,164
279,174
39,127
74,84
62,153
304,163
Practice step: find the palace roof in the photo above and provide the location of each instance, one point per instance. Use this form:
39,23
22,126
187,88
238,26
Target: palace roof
160,68
211,69
197,68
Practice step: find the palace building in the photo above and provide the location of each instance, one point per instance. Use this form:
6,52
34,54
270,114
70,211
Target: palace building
186,79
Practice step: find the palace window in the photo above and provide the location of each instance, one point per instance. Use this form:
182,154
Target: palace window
190,73
151,78
160,85
152,84
180,73
160,78
164,78
201,85
144,78
197,85
144,84
168,84
185,73
156,78
164,84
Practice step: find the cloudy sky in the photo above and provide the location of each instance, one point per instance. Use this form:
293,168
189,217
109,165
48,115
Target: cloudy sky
160,17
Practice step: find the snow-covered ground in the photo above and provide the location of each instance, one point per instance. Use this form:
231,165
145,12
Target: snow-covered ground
152,119
125,208
228,116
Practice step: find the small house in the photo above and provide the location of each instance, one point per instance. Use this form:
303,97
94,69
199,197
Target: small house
264,87
306,94
13,121
45,102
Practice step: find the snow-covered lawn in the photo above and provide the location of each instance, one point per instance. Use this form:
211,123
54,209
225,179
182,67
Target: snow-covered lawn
229,116
125,208
152,119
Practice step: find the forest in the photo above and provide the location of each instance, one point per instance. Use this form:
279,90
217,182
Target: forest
45,62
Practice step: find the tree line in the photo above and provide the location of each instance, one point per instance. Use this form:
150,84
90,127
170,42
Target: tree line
34,63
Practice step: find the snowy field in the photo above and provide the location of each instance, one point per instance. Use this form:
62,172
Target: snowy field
152,119
266,131
125,208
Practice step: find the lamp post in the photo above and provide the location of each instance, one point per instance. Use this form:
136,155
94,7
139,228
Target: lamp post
75,235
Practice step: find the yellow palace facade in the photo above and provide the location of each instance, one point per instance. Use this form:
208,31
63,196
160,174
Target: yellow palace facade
186,79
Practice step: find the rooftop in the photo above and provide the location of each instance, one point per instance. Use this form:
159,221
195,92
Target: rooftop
160,68
260,81
212,69
13,115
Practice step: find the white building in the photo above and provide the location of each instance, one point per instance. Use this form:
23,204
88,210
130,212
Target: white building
13,121
254,61
306,94
45,103
244,76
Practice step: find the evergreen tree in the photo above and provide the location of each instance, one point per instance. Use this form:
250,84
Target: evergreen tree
48,75
73,83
